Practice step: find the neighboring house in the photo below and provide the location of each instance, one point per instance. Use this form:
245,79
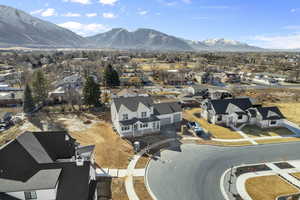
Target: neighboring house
231,77
47,166
235,112
138,116
73,81
8,99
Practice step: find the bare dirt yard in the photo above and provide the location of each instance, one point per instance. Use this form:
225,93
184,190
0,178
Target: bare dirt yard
268,187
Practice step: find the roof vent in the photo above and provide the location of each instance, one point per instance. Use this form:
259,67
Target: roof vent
67,138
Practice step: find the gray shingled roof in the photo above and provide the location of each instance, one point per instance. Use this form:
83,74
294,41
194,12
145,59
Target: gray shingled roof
132,103
34,148
43,179
167,108
270,113
220,106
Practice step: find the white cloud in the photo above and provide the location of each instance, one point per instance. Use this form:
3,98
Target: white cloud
48,12
36,11
84,29
109,15
143,12
279,42
70,14
85,2
294,10
91,14
108,2
292,27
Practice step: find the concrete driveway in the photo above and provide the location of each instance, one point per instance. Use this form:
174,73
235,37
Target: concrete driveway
195,172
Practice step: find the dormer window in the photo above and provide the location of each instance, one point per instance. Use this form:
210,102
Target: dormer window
30,195
144,114
125,116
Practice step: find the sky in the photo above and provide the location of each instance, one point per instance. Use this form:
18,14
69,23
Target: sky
264,23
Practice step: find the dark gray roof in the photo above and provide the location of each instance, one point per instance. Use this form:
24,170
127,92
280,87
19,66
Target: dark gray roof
153,118
43,179
167,108
132,103
34,147
270,113
21,171
221,105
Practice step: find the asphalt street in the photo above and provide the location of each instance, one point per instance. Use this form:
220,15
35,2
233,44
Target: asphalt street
195,172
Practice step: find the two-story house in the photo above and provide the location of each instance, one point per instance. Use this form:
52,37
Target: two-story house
46,166
138,116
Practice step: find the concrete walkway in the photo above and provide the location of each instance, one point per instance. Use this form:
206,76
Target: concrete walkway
130,169
284,173
118,173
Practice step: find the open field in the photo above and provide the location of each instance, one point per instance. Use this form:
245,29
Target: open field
290,110
217,131
270,141
140,188
268,187
255,131
111,151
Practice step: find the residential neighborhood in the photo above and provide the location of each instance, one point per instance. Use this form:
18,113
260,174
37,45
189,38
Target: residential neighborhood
149,100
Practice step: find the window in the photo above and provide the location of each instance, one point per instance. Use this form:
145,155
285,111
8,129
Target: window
125,116
144,114
273,122
125,128
30,195
220,118
240,117
145,125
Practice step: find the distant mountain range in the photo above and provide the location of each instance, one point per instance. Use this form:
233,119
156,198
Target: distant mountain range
20,29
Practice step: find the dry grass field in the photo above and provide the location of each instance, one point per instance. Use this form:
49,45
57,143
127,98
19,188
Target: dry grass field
217,131
268,187
296,175
140,188
165,66
111,151
118,189
255,131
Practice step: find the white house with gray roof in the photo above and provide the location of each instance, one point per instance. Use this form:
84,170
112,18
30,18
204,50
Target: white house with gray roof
139,116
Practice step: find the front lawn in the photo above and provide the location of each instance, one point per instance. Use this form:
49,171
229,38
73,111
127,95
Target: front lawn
255,131
268,187
217,131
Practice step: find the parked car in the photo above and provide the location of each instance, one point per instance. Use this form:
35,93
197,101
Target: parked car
195,127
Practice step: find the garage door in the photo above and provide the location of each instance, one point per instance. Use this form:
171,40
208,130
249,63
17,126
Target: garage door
177,118
165,121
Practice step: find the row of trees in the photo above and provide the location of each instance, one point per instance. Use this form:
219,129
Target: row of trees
37,91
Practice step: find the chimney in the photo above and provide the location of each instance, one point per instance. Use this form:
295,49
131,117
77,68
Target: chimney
79,161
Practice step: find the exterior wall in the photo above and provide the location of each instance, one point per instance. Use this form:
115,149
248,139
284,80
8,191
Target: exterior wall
171,116
49,194
267,123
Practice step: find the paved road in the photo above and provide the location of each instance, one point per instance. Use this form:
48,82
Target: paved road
195,172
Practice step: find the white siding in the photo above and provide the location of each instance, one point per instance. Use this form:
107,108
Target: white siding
49,194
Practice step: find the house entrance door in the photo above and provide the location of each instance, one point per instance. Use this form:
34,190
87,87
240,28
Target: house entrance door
135,127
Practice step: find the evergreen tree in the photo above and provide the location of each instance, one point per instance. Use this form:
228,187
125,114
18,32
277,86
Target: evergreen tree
40,87
28,103
111,76
91,92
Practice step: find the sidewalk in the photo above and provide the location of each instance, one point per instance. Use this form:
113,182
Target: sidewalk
237,185
118,173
